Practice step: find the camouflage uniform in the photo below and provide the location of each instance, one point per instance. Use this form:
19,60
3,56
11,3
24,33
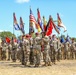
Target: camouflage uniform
37,50
14,52
4,48
72,51
31,51
46,52
58,51
26,48
75,50
9,51
66,50
53,47
0,51
21,52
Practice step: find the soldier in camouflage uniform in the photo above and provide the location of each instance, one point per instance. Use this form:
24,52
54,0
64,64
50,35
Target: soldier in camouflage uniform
0,51
26,49
46,52
66,50
9,51
14,51
58,51
53,47
31,51
37,50
73,49
21,49
4,48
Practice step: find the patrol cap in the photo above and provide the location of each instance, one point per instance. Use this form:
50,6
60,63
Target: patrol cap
27,35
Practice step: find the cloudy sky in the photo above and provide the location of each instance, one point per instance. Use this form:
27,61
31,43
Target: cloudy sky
66,9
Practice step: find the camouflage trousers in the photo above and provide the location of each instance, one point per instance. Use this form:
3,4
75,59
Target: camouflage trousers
14,55
46,57
36,57
58,55
0,53
53,54
31,57
3,55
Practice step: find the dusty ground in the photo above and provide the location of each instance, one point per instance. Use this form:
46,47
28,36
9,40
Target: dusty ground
64,67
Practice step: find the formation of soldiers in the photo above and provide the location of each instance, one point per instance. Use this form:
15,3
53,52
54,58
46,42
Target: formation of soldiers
41,49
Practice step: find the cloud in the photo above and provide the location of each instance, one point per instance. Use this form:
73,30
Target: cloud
22,1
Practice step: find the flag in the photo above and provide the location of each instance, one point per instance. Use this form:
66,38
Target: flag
56,27
22,25
60,24
44,23
16,26
33,20
31,28
62,40
68,39
39,19
49,27
7,40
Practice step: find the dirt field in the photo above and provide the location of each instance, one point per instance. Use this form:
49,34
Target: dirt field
64,67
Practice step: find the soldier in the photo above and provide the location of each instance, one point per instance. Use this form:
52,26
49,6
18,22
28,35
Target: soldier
14,51
0,50
53,47
4,48
46,51
22,48
66,50
73,49
58,51
31,51
26,48
9,51
37,50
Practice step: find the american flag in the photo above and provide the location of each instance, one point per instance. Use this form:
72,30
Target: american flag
32,18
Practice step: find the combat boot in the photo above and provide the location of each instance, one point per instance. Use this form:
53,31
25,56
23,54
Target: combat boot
49,63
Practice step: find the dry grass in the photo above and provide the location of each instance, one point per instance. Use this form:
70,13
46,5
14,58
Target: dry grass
64,67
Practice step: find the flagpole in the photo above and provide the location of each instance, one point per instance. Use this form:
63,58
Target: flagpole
13,24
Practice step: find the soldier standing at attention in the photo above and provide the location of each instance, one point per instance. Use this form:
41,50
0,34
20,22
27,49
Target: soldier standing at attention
73,49
58,50
4,47
14,51
53,47
31,58
26,48
46,51
66,49
37,50
9,51
0,50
